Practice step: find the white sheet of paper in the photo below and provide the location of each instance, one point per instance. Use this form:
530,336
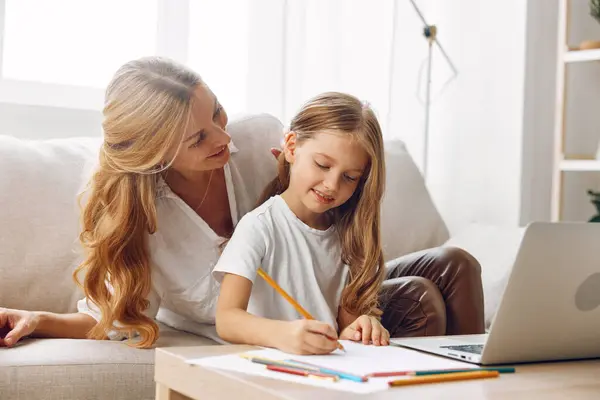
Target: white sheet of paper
358,359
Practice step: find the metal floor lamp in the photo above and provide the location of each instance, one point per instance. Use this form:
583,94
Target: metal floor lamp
430,33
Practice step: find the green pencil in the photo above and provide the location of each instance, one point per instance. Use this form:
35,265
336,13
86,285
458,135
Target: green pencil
438,372
502,370
280,363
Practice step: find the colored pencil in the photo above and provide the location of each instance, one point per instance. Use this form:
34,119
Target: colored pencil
309,368
279,363
303,372
457,376
501,370
344,375
341,374
289,298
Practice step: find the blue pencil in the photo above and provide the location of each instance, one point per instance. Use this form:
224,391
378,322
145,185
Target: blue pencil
341,374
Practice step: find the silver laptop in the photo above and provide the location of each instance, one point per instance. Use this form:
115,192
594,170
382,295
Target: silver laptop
550,309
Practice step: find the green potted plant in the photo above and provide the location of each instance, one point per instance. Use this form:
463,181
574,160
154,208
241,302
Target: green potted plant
595,199
595,9
595,13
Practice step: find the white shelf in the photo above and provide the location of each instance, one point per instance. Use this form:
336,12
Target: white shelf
582,55
580,165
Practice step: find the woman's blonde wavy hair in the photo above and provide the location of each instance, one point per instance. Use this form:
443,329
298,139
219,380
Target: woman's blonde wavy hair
357,220
147,109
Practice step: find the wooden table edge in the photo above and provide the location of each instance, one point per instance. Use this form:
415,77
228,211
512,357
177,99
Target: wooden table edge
173,376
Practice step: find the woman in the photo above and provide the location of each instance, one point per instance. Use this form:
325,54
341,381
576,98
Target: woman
169,187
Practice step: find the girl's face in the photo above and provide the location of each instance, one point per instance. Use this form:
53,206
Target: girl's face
325,170
204,145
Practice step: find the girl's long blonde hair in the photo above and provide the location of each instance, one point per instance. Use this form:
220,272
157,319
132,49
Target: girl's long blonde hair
357,220
147,108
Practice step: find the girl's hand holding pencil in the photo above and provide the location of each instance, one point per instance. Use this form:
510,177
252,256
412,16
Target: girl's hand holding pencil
303,332
307,336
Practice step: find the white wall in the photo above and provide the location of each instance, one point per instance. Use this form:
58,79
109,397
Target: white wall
39,122
476,125
539,111
492,131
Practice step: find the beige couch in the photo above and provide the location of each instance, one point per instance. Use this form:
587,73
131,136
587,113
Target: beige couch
39,181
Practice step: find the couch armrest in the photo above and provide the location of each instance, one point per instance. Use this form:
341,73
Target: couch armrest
496,249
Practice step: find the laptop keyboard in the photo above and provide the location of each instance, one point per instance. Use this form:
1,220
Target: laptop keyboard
467,348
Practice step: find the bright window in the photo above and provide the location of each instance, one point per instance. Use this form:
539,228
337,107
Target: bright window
75,42
218,48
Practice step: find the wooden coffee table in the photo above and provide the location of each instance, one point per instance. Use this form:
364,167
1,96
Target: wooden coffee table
175,379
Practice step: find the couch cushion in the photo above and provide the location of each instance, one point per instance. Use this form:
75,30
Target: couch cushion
84,369
410,220
39,213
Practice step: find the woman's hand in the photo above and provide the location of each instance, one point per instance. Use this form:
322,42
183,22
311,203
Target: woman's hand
305,336
16,324
275,152
368,329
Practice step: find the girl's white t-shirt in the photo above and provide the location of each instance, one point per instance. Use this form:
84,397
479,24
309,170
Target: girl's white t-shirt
184,249
305,262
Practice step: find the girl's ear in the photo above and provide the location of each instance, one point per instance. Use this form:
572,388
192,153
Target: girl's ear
289,147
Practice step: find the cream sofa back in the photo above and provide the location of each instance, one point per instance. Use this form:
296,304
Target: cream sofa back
39,182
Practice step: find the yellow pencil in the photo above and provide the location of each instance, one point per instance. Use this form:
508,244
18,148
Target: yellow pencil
289,298
458,376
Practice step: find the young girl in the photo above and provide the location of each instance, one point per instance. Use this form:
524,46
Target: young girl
317,235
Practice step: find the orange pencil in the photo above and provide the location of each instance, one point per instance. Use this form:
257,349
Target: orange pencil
457,376
289,298
303,372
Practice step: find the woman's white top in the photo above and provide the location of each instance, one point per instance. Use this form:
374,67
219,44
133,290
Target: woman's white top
305,262
184,249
